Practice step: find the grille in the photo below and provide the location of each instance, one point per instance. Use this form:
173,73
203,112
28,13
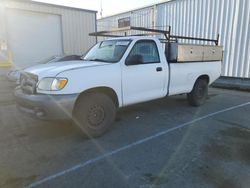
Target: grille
28,83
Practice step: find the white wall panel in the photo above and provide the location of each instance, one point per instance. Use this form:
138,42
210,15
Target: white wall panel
33,36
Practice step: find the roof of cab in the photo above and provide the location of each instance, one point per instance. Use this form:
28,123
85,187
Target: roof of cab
132,38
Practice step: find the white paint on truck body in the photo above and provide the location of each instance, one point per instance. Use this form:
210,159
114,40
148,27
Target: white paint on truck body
132,84
184,75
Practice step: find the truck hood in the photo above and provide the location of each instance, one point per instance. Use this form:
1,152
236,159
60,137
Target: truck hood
53,69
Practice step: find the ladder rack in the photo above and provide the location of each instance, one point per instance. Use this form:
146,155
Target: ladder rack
167,34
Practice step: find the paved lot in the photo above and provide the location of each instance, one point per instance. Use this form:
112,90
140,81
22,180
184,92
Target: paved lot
197,147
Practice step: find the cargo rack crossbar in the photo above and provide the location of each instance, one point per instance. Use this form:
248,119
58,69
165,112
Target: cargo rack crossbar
166,33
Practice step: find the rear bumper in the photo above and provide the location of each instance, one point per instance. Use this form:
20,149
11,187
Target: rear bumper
48,107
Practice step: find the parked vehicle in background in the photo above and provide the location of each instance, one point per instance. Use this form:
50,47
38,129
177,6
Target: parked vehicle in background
14,74
115,73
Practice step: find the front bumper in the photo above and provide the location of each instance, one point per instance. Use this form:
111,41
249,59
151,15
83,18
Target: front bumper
48,107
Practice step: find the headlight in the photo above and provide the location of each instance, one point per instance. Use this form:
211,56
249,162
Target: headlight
52,84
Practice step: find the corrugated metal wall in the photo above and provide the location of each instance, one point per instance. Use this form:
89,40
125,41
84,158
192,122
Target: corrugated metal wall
76,23
142,17
207,18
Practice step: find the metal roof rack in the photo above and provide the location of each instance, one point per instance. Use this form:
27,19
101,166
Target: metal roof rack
166,33
110,33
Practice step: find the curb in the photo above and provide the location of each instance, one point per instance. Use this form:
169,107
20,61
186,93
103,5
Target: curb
242,84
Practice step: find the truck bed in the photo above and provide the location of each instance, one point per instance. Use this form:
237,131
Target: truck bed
183,75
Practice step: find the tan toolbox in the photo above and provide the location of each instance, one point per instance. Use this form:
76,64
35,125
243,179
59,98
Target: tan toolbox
213,53
191,52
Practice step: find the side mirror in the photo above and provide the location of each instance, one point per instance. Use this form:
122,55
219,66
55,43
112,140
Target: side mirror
134,60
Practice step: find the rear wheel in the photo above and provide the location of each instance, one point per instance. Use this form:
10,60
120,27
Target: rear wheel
198,95
94,113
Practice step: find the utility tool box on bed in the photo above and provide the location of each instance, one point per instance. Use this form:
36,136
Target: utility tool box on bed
176,52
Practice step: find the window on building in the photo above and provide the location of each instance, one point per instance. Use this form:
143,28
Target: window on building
124,22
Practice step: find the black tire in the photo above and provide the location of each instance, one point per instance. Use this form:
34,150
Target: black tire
94,113
198,95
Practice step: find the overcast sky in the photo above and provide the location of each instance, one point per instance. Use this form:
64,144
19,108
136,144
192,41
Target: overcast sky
109,6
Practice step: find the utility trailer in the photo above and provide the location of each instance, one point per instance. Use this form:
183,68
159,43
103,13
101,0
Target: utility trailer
175,51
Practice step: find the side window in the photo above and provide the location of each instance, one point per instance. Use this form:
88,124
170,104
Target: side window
147,50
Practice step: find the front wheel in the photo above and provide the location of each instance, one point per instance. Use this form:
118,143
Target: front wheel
94,113
198,95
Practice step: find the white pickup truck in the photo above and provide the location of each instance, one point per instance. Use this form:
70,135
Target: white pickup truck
114,73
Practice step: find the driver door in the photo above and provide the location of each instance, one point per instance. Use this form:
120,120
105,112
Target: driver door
143,80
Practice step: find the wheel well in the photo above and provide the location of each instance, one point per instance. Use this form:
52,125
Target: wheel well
106,90
204,77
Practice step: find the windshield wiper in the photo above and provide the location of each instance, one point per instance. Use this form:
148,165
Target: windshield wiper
96,59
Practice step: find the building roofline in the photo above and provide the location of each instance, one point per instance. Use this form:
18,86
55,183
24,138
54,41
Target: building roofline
135,9
55,5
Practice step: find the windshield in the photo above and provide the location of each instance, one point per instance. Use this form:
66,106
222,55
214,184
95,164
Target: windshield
107,51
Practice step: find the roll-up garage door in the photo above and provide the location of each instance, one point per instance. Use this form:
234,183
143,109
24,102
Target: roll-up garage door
33,37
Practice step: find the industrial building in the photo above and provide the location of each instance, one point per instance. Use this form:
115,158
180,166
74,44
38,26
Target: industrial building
32,32
198,18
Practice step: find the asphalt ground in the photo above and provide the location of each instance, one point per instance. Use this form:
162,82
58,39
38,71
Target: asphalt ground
163,143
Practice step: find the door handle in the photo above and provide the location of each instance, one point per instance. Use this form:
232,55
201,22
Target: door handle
158,69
